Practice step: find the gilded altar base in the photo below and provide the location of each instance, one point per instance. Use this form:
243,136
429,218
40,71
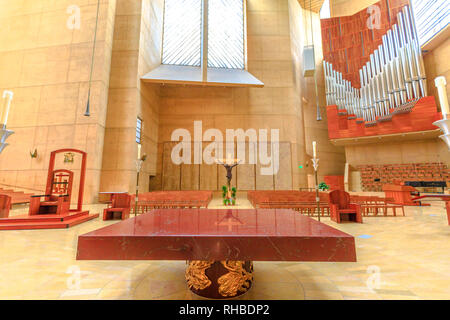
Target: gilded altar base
219,279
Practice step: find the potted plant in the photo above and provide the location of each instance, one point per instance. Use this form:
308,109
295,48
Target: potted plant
323,186
233,195
229,198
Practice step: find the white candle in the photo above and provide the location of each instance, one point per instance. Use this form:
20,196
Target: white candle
441,83
5,112
315,149
139,151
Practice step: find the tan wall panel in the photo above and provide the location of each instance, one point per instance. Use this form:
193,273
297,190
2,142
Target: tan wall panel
171,171
246,170
47,66
208,177
283,180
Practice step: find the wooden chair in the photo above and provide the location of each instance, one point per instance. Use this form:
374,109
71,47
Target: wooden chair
5,205
121,203
340,205
57,195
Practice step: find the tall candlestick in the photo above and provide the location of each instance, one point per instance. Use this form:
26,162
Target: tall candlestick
139,151
315,149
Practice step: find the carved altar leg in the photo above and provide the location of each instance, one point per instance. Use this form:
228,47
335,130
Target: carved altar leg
219,279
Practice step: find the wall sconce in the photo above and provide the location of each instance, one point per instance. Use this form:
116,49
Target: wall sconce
33,154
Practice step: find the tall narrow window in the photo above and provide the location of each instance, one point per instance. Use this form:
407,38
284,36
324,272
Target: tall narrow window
431,16
226,34
182,32
139,130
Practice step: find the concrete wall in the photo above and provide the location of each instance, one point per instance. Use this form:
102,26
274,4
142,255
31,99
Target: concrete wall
136,50
348,7
47,66
276,106
332,158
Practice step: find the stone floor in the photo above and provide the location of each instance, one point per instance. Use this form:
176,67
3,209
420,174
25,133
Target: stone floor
398,258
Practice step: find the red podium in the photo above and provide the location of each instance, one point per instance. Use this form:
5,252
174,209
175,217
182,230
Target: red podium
401,194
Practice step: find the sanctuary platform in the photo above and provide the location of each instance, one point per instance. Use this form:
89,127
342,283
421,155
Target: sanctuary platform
215,241
47,221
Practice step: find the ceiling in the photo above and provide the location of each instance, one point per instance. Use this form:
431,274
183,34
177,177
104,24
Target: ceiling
315,5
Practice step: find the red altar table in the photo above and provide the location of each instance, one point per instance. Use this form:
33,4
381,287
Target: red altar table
220,244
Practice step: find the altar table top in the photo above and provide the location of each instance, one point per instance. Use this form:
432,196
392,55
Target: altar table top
213,234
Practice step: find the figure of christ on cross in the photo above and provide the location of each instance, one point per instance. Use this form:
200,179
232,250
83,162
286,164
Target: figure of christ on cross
229,164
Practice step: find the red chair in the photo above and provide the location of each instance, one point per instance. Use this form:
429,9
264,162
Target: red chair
121,203
57,197
5,205
340,206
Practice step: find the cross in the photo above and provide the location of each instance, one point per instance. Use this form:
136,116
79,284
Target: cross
229,223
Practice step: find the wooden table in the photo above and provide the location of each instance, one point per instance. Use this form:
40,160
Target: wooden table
220,245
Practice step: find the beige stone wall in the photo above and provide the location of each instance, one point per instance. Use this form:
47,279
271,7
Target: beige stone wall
332,158
398,152
136,50
276,106
348,7
47,66
437,63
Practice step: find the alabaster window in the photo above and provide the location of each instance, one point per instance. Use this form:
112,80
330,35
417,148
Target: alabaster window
139,130
325,12
431,16
184,23
182,32
226,34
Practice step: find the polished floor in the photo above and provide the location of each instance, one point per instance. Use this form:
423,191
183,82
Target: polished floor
398,258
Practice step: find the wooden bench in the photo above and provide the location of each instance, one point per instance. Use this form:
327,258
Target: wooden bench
173,200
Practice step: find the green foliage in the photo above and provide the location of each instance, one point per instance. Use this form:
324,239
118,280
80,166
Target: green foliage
323,186
224,191
233,192
227,201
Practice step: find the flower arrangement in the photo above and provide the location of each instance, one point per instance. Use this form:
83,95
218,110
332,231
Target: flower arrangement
323,186
229,196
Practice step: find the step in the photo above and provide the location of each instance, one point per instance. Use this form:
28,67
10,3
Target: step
48,225
43,218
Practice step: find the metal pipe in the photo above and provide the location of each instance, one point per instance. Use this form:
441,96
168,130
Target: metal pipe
382,80
327,86
394,71
363,94
406,58
332,84
399,62
410,23
387,75
373,80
